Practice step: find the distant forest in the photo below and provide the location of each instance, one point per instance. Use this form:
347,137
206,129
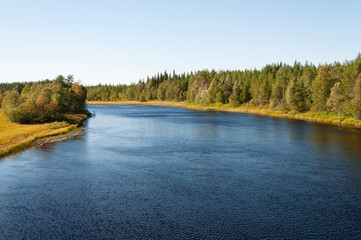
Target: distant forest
331,88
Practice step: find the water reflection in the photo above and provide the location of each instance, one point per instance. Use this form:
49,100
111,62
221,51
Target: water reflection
338,139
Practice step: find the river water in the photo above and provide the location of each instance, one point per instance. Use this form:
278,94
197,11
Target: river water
146,172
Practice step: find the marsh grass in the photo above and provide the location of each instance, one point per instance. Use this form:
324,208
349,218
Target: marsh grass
16,137
320,117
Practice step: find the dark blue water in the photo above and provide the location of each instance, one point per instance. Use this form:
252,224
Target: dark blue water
142,172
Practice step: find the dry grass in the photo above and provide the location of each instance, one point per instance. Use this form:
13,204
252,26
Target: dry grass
16,137
77,118
309,116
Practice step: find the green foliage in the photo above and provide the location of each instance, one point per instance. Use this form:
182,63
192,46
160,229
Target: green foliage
334,102
357,98
264,94
219,97
142,97
277,96
296,96
234,98
26,90
321,89
45,102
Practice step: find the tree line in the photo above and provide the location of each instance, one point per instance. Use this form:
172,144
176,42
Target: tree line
43,101
330,88
334,88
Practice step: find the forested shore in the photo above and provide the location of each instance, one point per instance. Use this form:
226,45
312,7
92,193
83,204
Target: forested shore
38,110
332,90
43,101
326,92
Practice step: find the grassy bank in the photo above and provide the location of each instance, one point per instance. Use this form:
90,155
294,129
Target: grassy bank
308,116
16,137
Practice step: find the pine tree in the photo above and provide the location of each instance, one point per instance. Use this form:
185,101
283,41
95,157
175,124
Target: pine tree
357,99
25,90
245,95
321,89
334,102
277,96
234,98
264,93
219,97
301,97
296,96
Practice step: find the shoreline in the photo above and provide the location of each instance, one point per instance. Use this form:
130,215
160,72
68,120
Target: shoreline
58,138
37,141
41,135
308,116
43,141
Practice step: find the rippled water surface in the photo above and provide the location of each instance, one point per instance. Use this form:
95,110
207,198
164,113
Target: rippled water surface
143,172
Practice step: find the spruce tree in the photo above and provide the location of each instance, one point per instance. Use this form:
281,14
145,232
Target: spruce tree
321,89
234,98
296,96
334,102
277,96
357,99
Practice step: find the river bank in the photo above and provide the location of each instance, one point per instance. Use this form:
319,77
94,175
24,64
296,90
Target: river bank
15,137
308,116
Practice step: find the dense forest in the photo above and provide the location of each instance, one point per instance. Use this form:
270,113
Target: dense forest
43,101
332,88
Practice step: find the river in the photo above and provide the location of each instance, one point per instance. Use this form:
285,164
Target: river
147,172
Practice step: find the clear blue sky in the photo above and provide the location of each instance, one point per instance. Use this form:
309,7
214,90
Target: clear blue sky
104,41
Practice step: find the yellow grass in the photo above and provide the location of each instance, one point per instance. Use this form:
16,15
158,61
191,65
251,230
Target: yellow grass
309,116
15,137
